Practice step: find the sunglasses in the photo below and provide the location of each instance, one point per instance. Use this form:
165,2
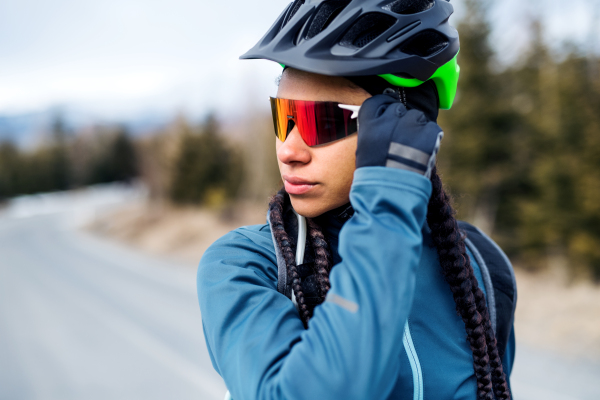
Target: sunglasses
318,122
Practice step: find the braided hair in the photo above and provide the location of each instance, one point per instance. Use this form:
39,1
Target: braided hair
456,267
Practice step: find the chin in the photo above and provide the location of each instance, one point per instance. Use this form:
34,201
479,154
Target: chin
308,208
312,207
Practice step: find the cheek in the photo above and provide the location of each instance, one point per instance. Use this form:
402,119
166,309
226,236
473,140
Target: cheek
278,144
340,167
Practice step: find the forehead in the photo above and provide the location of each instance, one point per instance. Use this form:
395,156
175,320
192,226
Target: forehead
300,85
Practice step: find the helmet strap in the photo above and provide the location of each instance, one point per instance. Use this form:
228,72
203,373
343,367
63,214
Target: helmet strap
424,97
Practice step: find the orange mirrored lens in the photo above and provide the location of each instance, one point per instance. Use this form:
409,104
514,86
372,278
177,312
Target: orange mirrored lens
318,122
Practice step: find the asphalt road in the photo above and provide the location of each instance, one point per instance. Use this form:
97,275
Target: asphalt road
82,318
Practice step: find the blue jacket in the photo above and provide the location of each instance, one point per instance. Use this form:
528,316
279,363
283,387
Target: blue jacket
387,330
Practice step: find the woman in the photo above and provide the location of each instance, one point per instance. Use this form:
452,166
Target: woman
380,303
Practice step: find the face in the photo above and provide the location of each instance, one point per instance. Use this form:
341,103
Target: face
317,178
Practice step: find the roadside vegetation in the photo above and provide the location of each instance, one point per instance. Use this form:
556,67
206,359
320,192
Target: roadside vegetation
521,154
66,160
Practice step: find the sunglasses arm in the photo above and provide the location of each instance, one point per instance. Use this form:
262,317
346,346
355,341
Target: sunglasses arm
352,108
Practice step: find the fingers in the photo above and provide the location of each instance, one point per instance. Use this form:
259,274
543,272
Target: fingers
391,135
381,105
375,107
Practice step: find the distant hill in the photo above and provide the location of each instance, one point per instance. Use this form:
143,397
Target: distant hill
23,129
27,129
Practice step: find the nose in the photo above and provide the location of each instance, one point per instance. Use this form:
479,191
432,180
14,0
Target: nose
294,149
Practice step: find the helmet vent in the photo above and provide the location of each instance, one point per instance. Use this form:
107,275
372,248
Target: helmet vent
409,6
366,29
425,44
292,11
324,15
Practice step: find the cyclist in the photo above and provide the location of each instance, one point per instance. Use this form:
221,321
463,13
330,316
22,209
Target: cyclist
361,285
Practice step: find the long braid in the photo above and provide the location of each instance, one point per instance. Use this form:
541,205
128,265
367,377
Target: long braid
458,272
322,257
497,371
499,383
283,241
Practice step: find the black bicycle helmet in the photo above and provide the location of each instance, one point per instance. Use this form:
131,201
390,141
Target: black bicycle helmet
406,42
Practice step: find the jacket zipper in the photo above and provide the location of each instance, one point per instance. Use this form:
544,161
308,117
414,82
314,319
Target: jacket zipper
415,365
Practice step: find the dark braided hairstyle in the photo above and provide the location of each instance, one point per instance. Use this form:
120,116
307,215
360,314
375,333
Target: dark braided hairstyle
283,241
469,299
456,266
322,261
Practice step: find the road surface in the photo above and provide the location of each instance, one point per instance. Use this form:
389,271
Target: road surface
83,318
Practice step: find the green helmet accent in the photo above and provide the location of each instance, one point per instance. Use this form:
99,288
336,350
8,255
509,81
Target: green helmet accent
445,79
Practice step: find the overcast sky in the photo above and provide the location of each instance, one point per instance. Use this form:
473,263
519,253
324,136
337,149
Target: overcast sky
119,58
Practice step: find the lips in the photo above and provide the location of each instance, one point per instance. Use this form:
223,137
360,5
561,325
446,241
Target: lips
296,185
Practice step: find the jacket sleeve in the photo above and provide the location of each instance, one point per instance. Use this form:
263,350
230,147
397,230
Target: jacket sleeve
352,347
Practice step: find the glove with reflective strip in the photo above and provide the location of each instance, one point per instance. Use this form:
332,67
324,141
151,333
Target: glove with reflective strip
390,135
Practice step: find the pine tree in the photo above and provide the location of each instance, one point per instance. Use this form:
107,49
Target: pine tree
481,128
59,174
116,159
206,170
10,160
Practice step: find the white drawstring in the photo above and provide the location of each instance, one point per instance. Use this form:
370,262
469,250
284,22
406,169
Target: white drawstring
300,245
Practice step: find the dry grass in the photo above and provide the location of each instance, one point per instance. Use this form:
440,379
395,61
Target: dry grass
551,313
180,233
556,315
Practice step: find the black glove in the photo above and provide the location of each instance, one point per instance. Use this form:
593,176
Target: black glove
390,135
